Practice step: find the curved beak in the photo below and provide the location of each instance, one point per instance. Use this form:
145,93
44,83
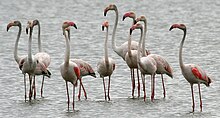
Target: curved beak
131,31
103,28
8,26
171,28
75,26
105,11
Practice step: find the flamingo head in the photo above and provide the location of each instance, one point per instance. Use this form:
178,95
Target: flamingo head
110,7
180,26
29,25
67,24
35,22
130,14
105,24
141,18
13,23
136,26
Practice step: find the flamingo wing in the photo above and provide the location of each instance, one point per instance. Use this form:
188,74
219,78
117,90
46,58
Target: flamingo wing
77,71
198,73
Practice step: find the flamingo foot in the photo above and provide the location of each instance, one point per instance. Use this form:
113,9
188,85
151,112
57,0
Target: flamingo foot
73,107
108,98
79,97
200,107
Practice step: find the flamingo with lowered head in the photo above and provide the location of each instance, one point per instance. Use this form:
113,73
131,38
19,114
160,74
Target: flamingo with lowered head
192,73
122,49
85,69
18,58
163,67
68,69
106,65
42,57
146,64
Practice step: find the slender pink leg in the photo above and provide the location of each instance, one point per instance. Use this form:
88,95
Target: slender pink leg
104,87
143,82
68,98
193,106
152,87
34,88
200,96
42,85
84,90
73,97
164,90
25,94
133,83
79,94
30,90
109,88
139,87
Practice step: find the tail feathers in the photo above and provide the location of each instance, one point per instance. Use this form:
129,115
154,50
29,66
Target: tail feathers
93,75
209,81
48,73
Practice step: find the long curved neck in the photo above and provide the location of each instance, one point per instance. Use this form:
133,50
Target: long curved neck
129,40
144,38
139,46
129,46
106,48
181,49
29,46
115,48
39,40
17,58
67,53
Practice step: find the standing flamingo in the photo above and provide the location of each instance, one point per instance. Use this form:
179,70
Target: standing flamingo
163,67
69,70
42,57
85,69
28,65
18,58
146,64
132,65
106,65
122,49
192,73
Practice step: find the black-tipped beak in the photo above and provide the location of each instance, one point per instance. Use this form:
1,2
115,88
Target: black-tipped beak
135,22
170,28
20,67
105,11
75,26
103,28
8,28
27,30
123,18
131,31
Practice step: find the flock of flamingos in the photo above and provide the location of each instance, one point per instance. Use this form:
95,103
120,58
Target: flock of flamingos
132,52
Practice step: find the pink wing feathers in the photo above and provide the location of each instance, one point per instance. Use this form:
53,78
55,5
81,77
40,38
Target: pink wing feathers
200,74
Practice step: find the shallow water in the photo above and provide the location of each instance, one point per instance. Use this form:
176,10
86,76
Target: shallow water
201,47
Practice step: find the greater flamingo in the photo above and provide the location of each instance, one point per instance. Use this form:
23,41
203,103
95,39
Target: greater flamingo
68,69
106,65
28,65
192,73
85,69
42,57
131,58
146,64
163,67
122,49
18,58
